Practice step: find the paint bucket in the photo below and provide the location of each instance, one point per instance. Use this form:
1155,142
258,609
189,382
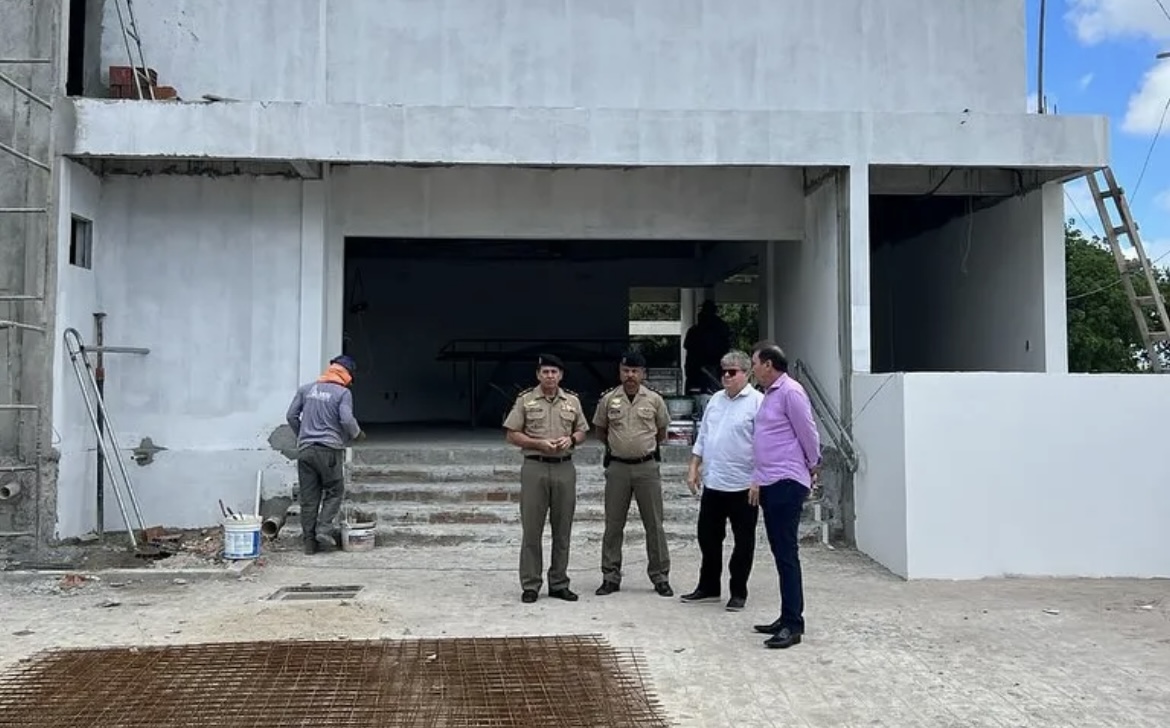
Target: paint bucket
680,432
241,537
357,536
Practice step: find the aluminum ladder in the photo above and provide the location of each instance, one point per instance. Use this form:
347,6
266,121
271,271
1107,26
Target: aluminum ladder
107,441
1149,309
24,311
133,42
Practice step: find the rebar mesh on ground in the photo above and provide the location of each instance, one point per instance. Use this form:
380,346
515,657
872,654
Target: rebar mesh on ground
575,681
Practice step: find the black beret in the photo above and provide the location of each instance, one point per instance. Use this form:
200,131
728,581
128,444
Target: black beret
633,359
550,360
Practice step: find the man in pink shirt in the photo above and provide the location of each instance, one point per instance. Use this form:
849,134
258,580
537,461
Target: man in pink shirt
787,453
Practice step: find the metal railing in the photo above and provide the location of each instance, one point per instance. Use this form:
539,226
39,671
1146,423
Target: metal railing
828,415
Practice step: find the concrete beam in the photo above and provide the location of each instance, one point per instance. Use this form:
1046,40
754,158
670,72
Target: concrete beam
953,180
655,328
581,137
306,170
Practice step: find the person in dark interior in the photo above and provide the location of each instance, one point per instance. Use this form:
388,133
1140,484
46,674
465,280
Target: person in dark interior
706,342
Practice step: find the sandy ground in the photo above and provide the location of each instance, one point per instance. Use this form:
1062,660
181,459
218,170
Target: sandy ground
879,651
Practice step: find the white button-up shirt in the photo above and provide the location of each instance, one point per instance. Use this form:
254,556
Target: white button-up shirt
725,439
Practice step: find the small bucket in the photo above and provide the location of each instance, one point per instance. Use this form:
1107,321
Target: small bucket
357,536
241,537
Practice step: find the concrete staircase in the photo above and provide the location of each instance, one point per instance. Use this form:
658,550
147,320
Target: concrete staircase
454,493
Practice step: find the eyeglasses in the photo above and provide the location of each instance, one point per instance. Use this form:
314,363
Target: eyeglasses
730,372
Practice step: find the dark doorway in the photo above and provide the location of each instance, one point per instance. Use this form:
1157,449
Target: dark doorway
75,69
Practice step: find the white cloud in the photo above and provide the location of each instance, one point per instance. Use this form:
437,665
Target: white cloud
1144,113
1162,200
1100,20
1031,104
1085,81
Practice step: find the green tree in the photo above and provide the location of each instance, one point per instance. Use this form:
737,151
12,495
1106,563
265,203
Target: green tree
1102,333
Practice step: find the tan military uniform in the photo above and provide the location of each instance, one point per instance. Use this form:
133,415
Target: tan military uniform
548,482
633,473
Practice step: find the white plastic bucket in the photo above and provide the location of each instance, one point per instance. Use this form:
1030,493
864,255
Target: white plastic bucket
241,537
357,536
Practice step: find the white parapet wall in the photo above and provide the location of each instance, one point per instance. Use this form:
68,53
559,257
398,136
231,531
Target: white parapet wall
974,475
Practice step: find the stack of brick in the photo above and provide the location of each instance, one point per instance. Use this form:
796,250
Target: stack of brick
122,84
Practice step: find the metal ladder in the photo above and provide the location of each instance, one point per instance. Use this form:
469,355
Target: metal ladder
1149,310
37,205
133,42
107,441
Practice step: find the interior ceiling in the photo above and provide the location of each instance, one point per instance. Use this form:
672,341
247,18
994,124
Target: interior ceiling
894,218
478,249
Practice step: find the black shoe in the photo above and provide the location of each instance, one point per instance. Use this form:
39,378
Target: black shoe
772,628
782,639
311,546
699,595
565,594
663,589
529,596
736,604
608,587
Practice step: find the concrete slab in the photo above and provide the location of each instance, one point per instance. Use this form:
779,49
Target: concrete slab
879,651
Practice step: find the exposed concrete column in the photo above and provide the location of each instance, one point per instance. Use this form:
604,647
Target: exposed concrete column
1055,282
856,219
313,282
767,290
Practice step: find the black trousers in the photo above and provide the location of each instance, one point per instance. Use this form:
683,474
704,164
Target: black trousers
782,503
715,510
322,487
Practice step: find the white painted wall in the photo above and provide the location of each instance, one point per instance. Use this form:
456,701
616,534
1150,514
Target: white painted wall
1016,474
879,428
79,193
206,273
653,54
983,293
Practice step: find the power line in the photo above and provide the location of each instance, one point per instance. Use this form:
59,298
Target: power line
1165,11
1153,143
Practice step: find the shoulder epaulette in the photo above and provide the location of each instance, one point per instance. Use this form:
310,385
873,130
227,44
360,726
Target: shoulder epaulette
610,391
569,391
525,392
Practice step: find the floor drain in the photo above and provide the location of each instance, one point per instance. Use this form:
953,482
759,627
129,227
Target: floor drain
303,593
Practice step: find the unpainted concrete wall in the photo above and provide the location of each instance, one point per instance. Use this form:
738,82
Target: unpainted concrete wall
824,55
985,292
26,32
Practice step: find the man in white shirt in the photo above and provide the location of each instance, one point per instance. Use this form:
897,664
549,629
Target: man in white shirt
721,466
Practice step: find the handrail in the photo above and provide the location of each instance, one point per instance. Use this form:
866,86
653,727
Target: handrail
827,415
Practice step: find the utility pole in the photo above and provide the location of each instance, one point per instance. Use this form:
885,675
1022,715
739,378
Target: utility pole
1040,105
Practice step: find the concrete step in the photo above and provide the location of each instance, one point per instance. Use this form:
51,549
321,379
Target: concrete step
381,473
679,512
483,492
590,453
584,533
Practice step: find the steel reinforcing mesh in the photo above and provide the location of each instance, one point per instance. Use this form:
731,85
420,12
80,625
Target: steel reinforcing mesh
572,681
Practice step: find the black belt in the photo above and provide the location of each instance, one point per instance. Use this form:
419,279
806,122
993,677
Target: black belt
633,461
543,459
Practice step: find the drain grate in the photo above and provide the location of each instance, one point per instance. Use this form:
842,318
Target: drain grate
572,681
306,592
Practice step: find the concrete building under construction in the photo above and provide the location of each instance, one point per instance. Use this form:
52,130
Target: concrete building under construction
440,188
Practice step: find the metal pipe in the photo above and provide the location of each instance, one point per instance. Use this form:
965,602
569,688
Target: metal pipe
24,91
98,320
1040,105
9,490
74,347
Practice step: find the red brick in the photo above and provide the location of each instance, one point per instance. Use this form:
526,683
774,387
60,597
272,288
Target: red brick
163,93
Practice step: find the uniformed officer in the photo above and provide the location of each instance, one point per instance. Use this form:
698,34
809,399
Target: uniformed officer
631,420
546,423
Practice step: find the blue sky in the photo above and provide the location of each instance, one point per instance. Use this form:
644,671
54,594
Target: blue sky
1100,59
